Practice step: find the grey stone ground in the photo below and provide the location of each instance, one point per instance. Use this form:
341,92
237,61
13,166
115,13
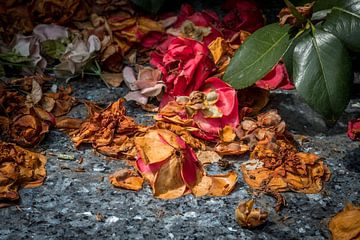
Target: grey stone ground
65,207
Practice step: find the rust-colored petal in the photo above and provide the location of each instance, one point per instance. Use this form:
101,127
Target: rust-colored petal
346,224
168,182
232,148
127,179
152,148
227,134
19,168
249,217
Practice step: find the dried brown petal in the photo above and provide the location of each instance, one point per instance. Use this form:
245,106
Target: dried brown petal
19,168
249,217
346,224
127,179
233,148
208,157
227,134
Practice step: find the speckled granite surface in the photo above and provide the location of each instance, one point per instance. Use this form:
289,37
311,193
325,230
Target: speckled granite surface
65,207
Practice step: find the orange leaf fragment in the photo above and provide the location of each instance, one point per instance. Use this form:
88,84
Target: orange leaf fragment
249,217
127,179
346,224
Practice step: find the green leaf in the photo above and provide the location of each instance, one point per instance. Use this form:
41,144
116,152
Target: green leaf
327,4
152,6
13,57
53,48
288,56
344,22
322,73
258,55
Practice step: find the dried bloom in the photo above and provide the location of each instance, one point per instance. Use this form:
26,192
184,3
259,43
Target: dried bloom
282,168
285,15
209,110
29,126
201,26
77,55
148,84
249,217
128,30
267,128
107,130
252,100
19,168
346,224
59,103
233,148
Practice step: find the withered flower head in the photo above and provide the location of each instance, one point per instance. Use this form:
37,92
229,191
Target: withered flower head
285,15
19,168
29,127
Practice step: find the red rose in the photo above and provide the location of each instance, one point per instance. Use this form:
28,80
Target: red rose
185,65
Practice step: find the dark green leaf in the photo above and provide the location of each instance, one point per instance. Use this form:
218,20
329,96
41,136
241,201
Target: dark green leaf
257,55
288,56
53,48
344,22
322,73
152,6
13,57
327,4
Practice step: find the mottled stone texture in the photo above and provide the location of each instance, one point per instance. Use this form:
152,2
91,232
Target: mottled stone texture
66,205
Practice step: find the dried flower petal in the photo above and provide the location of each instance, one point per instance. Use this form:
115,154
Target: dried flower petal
249,217
19,168
127,179
346,224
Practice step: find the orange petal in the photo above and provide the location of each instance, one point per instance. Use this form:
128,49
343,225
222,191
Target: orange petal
249,217
168,182
346,224
127,179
